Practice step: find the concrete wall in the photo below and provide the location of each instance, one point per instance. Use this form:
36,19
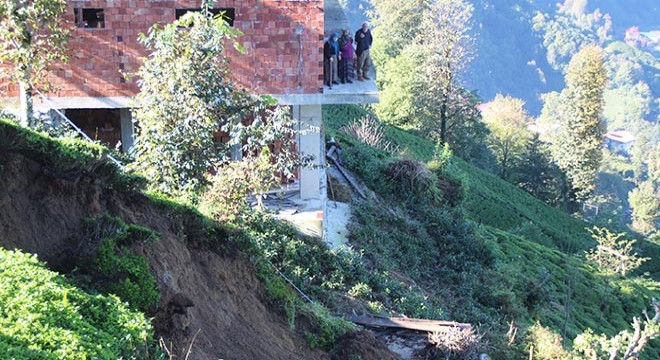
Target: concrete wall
278,60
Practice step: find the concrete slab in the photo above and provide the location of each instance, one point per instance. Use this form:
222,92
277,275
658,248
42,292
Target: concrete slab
357,87
305,215
359,91
338,216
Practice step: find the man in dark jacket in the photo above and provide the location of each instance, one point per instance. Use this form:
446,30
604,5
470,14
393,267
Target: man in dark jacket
363,40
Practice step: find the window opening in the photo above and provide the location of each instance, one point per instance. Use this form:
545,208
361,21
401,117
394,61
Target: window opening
90,18
228,14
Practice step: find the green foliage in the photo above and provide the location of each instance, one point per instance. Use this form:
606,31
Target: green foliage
633,86
278,249
625,344
613,254
509,134
577,150
115,268
227,197
626,106
270,155
569,30
43,316
545,344
66,158
537,174
419,70
398,81
320,271
331,327
494,202
478,274
32,38
193,125
192,227
185,96
645,203
395,24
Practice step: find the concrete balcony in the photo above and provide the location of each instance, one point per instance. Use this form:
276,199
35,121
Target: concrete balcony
359,92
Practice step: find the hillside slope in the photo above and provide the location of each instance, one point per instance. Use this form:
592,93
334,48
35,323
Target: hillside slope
210,295
498,253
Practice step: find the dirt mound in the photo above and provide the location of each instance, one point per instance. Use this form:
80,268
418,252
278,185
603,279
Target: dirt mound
362,345
206,294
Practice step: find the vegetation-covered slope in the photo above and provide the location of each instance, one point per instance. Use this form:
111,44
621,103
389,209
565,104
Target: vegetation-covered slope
500,255
64,202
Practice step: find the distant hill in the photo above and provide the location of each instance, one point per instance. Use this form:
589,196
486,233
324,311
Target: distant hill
642,13
510,58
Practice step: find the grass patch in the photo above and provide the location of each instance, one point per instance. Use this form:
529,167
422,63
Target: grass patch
67,158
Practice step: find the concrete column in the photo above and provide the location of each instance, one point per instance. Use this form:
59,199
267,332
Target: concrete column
126,129
312,184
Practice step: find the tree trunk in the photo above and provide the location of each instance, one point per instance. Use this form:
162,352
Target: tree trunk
443,121
26,102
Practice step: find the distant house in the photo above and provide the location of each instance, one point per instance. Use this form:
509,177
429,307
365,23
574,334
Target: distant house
648,40
619,141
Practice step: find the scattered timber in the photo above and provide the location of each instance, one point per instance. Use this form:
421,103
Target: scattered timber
407,323
330,156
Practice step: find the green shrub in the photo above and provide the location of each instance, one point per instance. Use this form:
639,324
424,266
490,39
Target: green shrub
114,266
331,327
44,316
546,345
360,290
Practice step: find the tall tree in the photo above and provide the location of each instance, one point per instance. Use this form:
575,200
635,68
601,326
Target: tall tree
188,104
422,49
397,26
537,174
577,149
447,45
509,134
645,203
645,198
32,36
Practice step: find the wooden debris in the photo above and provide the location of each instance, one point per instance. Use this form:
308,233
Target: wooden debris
331,157
407,323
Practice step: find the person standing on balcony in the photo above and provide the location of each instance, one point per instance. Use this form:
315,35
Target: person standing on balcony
330,55
346,57
363,40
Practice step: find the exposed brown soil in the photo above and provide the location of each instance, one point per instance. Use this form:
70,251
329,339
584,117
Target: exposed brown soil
205,292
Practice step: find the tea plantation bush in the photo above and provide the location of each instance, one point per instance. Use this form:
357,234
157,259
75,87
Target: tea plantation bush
44,316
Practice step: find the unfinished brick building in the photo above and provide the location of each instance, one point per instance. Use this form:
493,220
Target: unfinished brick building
283,40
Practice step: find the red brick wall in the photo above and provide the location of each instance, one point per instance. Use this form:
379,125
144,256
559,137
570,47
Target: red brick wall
271,65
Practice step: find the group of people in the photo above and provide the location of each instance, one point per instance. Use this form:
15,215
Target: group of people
340,54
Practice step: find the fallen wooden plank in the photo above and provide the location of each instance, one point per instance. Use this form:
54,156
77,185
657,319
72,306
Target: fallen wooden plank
344,172
407,323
